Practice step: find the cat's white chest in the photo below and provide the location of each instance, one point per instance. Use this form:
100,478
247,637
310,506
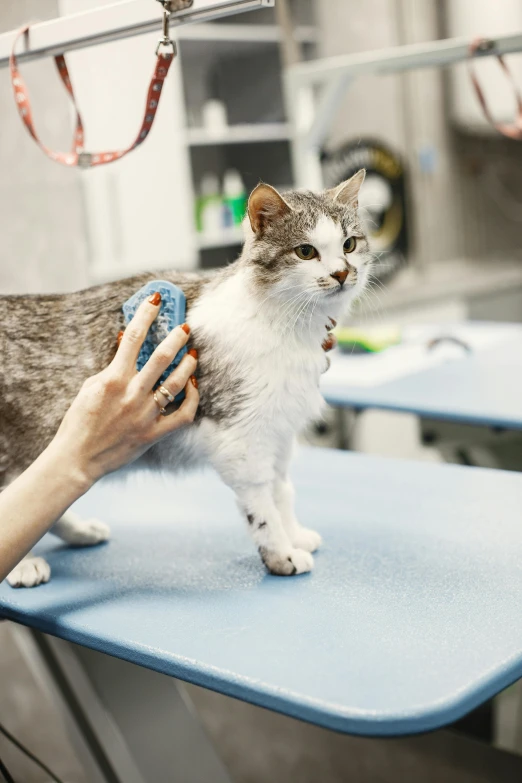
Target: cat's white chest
279,375
288,387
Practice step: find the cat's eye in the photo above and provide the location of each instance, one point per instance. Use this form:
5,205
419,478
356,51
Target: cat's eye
306,252
350,245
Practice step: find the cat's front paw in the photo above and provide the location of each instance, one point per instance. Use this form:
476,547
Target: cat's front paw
30,572
304,538
287,563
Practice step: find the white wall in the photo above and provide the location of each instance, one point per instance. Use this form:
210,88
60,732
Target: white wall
42,231
405,111
373,104
139,210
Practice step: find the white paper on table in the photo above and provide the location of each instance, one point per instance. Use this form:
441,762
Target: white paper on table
412,355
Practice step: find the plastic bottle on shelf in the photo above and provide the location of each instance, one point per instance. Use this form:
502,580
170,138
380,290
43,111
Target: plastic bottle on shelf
209,206
214,115
234,198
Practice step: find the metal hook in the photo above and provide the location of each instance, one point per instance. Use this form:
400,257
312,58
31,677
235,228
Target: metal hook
176,5
166,40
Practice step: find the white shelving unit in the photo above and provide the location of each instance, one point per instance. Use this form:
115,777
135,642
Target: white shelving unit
140,212
237,62
226,238
240,134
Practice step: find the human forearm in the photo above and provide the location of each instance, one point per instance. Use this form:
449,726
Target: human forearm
34,501
115,418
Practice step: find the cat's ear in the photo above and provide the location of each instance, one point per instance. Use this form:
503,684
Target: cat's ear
264,206
347,192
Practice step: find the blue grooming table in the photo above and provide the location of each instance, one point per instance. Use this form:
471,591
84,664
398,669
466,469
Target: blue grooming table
410,619
481,388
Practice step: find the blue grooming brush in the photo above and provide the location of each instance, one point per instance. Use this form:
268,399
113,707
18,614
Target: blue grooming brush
171,314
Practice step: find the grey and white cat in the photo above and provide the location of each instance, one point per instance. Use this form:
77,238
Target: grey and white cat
258,325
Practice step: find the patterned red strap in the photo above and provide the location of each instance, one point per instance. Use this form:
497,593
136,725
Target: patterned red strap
78,156
513,130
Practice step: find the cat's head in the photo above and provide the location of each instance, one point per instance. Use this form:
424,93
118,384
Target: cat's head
305,246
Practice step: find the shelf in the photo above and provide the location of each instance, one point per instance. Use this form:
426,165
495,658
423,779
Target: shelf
239,134
244,33
226,238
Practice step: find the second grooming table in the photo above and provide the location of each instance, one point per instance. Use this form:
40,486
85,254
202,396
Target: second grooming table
466,399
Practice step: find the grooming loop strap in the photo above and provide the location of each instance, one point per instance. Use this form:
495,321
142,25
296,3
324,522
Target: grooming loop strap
512,130
78,155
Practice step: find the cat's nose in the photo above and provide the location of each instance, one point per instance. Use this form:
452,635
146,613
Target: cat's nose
340,276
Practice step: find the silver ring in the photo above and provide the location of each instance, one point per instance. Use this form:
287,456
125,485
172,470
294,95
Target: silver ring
166,393
162,410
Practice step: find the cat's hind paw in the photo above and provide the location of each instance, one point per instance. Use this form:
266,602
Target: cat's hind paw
288,563
76,531
304,538
87,532
30,572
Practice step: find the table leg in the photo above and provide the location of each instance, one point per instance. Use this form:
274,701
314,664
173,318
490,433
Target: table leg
468,444
137,724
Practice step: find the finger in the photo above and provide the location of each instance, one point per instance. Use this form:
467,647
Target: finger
185,413
178,378
135,333
330,342
162,356
331,325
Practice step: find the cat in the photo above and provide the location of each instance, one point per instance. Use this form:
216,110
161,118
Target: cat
258,325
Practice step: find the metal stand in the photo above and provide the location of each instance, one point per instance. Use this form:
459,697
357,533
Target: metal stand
466,444
113,22
128,724
133,725
311,119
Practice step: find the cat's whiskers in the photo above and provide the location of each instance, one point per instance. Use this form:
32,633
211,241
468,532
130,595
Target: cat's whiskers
316,299
290,304
374,279
305,293
374,307
274,292
311,304
371,288
289,307
302,309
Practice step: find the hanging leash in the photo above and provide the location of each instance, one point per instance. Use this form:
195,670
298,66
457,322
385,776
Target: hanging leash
511,130
78,155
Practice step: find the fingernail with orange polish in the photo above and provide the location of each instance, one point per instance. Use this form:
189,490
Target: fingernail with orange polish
329,343
193,353
186,328
155,299
194,381
119,338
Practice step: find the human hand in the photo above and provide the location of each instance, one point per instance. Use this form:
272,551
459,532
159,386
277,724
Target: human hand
330,340
115,418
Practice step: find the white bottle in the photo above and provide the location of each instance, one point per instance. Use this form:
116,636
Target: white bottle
211,205
214,116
